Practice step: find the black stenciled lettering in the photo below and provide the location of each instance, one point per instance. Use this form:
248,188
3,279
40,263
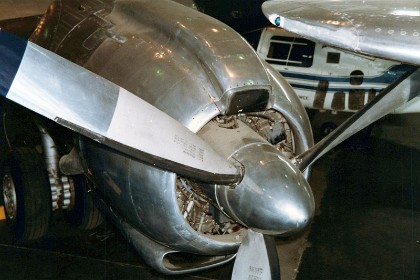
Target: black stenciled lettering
255,273
189,148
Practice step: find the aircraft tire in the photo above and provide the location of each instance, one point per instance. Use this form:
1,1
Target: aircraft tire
84,214
29,197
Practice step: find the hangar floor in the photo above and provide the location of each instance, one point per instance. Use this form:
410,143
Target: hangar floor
367,225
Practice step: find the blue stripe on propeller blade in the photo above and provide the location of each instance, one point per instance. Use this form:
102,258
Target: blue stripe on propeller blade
12,49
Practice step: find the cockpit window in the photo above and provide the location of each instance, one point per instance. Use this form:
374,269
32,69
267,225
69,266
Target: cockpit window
291,51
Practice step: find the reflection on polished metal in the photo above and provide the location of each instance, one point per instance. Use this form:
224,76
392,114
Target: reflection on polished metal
162,258
201,73
147,199
257,258
288,104
110,116
273,197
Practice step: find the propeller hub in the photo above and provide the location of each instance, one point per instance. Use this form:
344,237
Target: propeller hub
273,197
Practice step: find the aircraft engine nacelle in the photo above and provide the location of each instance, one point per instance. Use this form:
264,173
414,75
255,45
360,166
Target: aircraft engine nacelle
205,75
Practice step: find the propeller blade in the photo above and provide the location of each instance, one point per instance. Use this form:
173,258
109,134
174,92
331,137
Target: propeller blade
395,95
257,258
78,99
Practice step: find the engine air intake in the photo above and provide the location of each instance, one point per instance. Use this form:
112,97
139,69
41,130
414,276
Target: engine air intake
252,100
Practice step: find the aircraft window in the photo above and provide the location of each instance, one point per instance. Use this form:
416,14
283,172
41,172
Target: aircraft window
279,51
282,38
356,77
291,51
333,57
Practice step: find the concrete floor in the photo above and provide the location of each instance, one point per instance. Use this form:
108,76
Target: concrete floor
369,226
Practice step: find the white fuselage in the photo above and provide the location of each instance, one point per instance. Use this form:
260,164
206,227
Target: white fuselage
326,78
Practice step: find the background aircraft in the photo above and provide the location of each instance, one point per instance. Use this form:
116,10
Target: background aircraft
327,79
362,28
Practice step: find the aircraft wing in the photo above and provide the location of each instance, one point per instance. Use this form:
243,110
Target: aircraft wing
94,107
387,29
374,27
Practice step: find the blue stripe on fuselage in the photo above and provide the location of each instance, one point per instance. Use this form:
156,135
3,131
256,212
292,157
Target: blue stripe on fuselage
12,49
334,89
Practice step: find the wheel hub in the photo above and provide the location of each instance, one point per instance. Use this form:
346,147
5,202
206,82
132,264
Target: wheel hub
9,194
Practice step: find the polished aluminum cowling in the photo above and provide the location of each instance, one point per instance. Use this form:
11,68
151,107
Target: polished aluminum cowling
195,69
